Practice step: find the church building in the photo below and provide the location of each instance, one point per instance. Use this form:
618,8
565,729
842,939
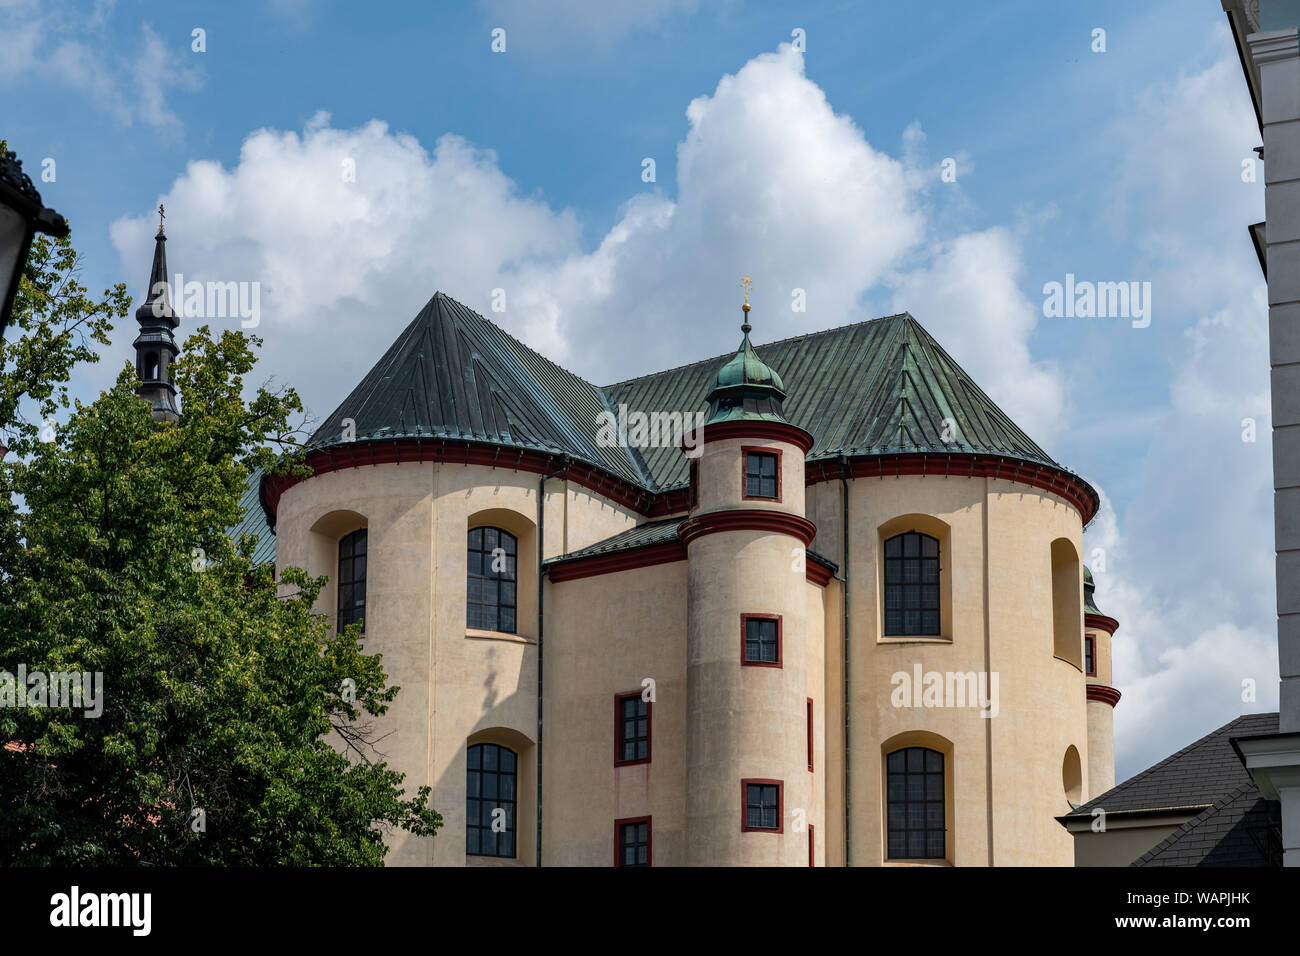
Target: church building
814,604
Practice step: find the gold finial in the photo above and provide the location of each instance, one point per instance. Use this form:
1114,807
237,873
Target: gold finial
748,283
162,212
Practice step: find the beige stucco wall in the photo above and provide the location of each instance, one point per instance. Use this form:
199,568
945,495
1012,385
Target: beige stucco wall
456,684
1013,760
605,635
715,722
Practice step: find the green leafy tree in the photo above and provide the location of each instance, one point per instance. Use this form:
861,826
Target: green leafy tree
235,725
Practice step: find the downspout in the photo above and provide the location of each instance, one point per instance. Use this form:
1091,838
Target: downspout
541,574
844,583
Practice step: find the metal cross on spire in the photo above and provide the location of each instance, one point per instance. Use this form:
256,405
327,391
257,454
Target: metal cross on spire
748,283
161,215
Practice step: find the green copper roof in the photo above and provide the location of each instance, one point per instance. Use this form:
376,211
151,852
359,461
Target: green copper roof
746,388
884,386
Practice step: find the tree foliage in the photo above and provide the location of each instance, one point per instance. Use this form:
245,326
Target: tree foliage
235,721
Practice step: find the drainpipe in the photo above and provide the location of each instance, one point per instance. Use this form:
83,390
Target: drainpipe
844,583
541,574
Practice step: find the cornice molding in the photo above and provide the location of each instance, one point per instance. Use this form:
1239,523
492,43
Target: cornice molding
747,519
1103,693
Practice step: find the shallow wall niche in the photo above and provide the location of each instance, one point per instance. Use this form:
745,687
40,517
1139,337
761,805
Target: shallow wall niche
1067,603
323,555
525,532
1072,776
938,529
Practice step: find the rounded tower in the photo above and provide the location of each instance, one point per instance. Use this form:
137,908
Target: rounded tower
748,780
1098,628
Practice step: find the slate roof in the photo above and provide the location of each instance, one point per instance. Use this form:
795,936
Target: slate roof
1242,829
882,386
1195,778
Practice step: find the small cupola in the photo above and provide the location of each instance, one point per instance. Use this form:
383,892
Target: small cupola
746,389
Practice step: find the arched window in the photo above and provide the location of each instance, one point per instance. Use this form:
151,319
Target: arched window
491,600
352,579
912,585
490,801
916,804
151,367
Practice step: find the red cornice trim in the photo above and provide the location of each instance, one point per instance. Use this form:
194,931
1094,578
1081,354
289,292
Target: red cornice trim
675,501
1061,483
642,557
817,573
747,519
768,431
1107,695
1101,622
649,555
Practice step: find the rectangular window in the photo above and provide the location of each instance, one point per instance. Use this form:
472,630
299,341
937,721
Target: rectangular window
760,636
632,842
491,774
915,810
1089,660
912,580
812,845
810,733
631,729
762,474
763,806
695,482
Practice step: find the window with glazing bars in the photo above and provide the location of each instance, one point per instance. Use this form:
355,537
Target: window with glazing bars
634,843
762,806
760,475
351,580
762,640
491,601
915,804
633,723
912,585
490,801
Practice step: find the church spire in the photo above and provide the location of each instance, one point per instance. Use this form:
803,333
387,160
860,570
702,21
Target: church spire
155,346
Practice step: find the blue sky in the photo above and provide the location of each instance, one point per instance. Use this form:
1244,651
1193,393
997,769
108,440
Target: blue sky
522,170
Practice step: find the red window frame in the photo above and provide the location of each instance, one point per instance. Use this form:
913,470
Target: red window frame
649,839
780,649
618,729
780,805
1090,642
810,734
744,472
